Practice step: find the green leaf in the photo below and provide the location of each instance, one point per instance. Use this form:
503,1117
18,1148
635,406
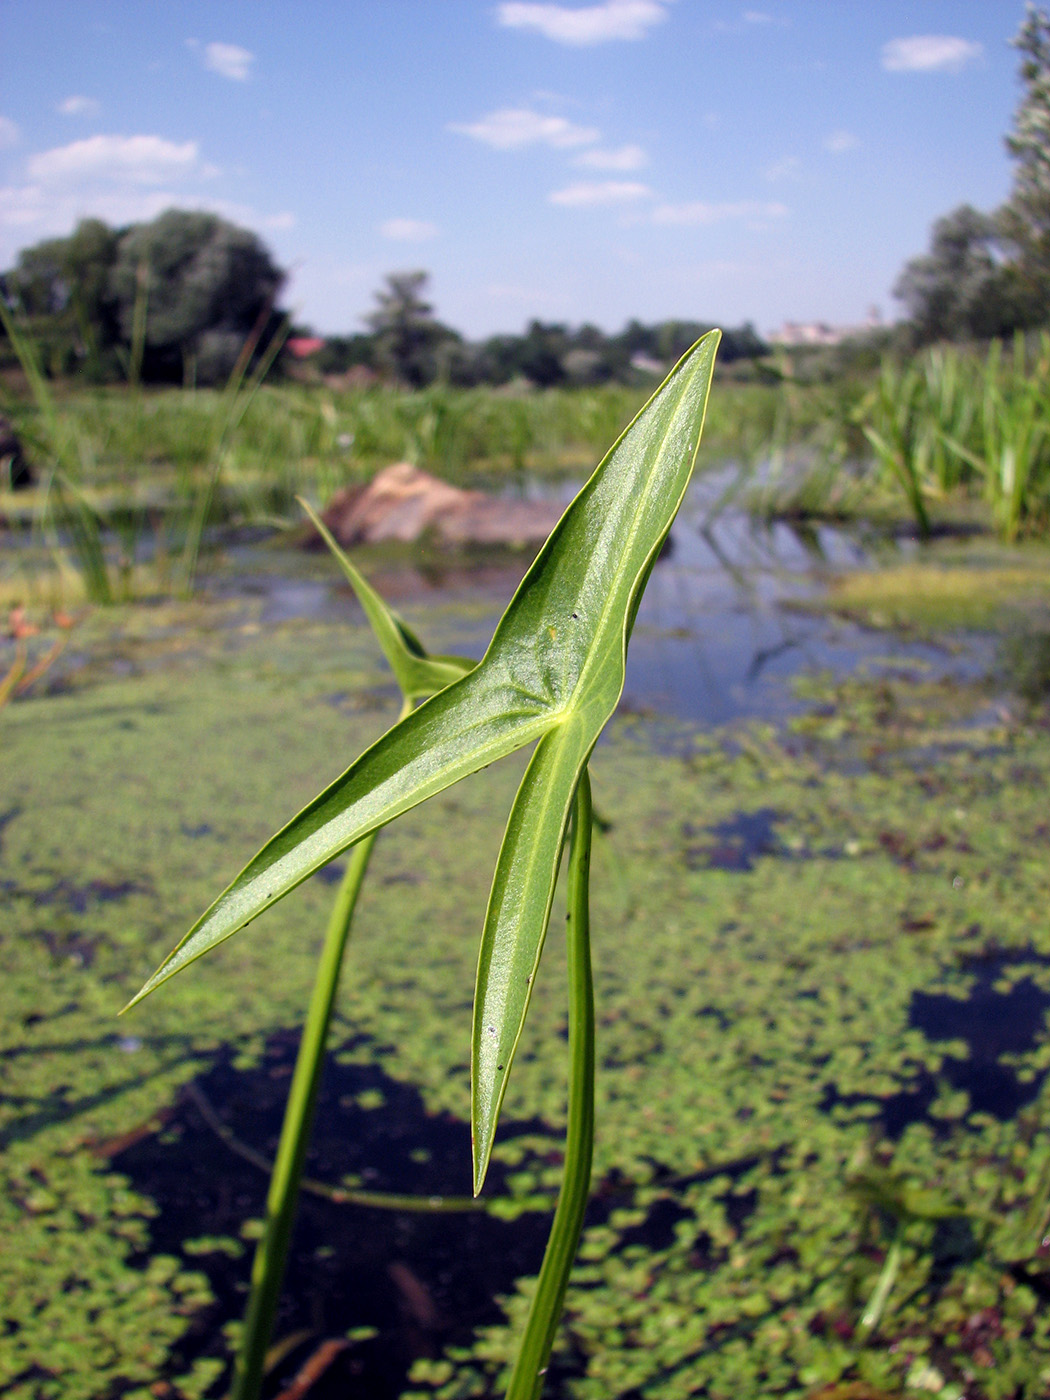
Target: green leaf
516,922
417,673
553,672
451,735
577,605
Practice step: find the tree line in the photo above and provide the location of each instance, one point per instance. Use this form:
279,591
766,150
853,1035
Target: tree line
176,300
406,343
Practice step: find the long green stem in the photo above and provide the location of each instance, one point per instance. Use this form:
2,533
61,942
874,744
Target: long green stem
530,1367
283,1197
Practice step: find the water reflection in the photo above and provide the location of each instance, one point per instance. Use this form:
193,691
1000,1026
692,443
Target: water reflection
716,638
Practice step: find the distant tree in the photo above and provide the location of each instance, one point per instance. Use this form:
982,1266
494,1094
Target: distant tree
541,354
343,352
742,343
410,343
207,285
63,287
988,274
1025,218
496,359
962,289
673,339
638,339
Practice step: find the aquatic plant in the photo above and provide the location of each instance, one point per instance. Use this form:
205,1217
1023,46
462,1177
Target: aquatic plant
418,676
71,518
956,420
1012,459
898,427
552,675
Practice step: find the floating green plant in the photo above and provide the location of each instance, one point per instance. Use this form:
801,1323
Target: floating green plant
752,1023
930,596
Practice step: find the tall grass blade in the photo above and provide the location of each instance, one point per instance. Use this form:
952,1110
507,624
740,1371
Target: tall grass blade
236,399
65,506
73,516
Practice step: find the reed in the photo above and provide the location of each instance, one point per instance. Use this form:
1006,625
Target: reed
95,511
1012,457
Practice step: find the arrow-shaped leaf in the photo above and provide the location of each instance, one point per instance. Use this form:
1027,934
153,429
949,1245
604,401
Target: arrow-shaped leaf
554,671
583,610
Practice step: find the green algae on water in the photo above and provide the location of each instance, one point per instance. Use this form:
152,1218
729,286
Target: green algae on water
769,908
945,588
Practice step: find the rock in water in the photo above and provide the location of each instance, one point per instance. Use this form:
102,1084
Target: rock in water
403,503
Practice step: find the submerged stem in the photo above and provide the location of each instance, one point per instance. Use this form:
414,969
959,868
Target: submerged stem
530,1367
338,1195
283,1196
887,1278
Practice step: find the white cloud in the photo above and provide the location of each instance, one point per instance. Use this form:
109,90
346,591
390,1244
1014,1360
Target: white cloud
837,142
512,128
119,179
787,168
755,19
79,106
589,195
929,53
700,212
47,212
9,133
229,60
588,24
142,160
408,230
624,158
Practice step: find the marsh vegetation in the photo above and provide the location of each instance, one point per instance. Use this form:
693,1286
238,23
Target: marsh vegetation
130,486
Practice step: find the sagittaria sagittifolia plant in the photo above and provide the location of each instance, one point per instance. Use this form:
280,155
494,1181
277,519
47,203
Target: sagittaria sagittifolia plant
552,676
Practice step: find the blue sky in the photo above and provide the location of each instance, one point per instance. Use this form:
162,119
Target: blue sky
768,160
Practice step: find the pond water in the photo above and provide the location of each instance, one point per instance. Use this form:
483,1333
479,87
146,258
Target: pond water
718,637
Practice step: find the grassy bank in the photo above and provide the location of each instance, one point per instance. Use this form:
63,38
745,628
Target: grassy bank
951,436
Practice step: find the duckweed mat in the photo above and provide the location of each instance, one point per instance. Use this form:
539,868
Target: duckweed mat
973,584
823,969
